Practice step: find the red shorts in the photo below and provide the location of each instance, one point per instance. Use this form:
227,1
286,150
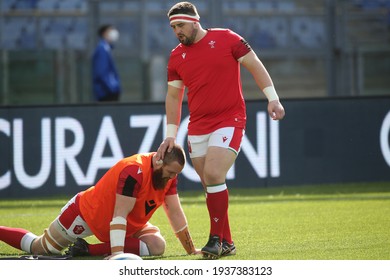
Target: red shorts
71,220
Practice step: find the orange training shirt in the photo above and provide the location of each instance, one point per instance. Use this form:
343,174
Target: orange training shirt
131,176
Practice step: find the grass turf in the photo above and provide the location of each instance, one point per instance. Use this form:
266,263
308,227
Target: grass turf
325,222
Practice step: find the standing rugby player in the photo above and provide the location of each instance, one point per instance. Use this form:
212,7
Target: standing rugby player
207,62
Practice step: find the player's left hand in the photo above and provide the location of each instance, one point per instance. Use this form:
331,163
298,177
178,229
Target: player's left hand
276,110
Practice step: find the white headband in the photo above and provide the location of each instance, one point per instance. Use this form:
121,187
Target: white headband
183,17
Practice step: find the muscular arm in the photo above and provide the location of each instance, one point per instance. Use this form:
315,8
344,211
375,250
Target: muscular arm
123,206
174,212
251,62
178,222
173,104
263,80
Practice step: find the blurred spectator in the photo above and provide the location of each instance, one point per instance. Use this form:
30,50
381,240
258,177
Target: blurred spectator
105,78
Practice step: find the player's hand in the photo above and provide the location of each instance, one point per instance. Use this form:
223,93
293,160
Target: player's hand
276,110
166,145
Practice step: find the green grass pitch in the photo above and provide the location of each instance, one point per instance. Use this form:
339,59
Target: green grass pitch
326,222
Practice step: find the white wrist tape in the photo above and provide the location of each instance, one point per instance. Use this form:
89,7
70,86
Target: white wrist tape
185,239
183,228
271,94
118,234
171,130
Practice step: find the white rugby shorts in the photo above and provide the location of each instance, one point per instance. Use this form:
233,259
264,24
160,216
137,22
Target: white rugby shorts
226,137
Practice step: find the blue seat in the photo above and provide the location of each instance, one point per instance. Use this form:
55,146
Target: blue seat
46,5
76,40
13,29
53,41
308,32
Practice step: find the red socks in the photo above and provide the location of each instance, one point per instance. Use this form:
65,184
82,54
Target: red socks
132,245
217,205
12,236
226,231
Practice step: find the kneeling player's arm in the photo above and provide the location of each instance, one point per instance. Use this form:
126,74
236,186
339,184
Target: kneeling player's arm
118,234
178,222
185,239
123,206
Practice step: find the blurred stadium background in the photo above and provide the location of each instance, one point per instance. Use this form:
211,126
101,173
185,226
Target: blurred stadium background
312,48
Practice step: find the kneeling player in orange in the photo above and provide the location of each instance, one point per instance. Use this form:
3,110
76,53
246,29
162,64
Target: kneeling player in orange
117,211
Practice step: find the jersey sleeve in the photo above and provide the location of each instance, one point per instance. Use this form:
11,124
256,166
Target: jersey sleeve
172,74
130,181
240,46
173,188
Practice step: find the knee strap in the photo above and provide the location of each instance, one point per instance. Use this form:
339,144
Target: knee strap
49,244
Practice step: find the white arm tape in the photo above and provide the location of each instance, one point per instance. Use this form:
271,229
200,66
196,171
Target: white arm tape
177,84
171,130
186,225
271,94
118,231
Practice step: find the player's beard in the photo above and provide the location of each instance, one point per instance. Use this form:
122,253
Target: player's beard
159,182
188,40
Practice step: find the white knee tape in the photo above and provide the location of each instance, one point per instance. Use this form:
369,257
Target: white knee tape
49,244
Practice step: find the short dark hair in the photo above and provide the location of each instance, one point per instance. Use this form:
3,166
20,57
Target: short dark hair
186,8
177,154
102,29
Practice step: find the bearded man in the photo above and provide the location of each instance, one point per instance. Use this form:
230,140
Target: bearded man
117,211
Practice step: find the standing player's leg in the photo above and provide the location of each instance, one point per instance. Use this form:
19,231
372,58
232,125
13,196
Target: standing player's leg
212,156
224,146
198,164
197,146
217,164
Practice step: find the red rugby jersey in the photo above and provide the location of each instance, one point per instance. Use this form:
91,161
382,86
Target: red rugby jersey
211,72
